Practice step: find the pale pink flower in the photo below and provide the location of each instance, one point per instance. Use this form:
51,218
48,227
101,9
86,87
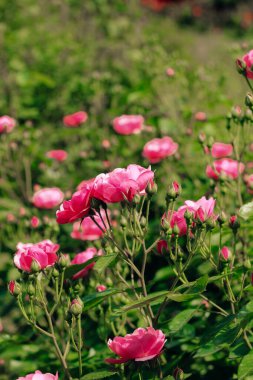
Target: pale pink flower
75,119
158,149
37,375
48,198
7,124
225,167
128,124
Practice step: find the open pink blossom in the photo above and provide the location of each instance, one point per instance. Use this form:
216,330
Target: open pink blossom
128,124
158,149
141,345
225,167
48,197
57,155
220,150
75,119
88,230
248,59
37,375
81,258
84,183
122,184
77,207
202,209
176,218
7,124
43,253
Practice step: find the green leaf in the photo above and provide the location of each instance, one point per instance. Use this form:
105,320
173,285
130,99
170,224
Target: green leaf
199,285
246,366
180,320
95,299
98,375
246,211
104,261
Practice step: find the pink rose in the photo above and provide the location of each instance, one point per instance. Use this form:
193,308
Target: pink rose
200,116
88,230
7,124
37,375
84,183
121,184
176,219
48,198
12,287
248,59
220,150
128,124
58,155
158,149
35,222
43,253
77,207
170,72
225,166
202,209
162,247
81,258
141,345
75,119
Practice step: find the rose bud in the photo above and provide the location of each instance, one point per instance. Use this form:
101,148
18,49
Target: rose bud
151,189
76,308
100,288
225,253
178,374
162,247
30,290
241,66
249,100
35,222
14,288
234,223
63,261
222,218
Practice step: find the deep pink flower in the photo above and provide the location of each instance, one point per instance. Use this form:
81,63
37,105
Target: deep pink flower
7,124
11,286
58,155
225,252
122,184
37,375
248,59
128,124
84,183
162,246
226,167
88,230
158,149
43,253
141,345
202,209
81,258
176,218
220,150
48,197
35,222
75,119
100,288
77,207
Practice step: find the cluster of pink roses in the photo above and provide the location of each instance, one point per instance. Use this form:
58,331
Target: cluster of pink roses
113,187
202,210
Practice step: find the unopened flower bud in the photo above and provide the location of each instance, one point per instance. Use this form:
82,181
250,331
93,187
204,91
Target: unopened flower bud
151,189
100,288
76,308
236,112
143,221
188,216
63,261
162,247
247,264
136,200
30,290
225,253
222,218
123,222
234,223
202,137
166,224
249,100
240,66
210,224
178,374
55,273
176,230
35,267
14,288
